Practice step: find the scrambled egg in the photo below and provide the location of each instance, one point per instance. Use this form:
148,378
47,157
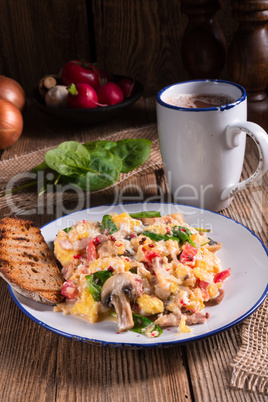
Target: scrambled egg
172,271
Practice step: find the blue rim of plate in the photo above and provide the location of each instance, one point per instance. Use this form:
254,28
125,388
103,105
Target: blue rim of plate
149,345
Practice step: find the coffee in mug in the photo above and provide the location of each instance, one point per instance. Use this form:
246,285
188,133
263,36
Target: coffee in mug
200,101
203,144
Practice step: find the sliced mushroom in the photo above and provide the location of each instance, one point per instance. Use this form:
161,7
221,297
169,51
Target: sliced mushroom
217,300
213,246
147,221
117,292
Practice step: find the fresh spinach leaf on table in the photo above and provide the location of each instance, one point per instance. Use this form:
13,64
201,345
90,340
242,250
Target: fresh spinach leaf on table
102,144
133,152
69,159
93,165
104,171
40,167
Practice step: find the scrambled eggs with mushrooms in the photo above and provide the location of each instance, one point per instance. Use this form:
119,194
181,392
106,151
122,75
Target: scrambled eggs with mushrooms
150,272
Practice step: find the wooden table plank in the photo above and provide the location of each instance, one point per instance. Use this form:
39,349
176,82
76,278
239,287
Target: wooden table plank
42,130
209,361
36,364
39,38
78,371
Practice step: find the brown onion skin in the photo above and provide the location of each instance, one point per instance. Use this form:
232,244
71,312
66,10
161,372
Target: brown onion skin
11,124
12,91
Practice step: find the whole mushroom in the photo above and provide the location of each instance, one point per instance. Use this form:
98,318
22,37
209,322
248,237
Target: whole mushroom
117,292
57,96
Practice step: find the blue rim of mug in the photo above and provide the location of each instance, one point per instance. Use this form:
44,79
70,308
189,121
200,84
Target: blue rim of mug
221,108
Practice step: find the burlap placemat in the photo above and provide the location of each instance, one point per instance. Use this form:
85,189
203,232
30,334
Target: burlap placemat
250,366
24,201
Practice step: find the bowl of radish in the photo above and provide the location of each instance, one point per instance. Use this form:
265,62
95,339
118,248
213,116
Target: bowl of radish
84,94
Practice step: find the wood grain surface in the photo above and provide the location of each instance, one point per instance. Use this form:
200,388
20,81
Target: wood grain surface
140,38
38,365
37,38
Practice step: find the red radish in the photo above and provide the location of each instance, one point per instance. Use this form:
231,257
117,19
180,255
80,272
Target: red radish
127,86
105,76
82,96
80,72
110,94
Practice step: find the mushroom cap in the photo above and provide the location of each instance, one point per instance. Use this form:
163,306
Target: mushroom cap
118,284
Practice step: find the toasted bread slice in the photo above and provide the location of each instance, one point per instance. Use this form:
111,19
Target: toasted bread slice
27,263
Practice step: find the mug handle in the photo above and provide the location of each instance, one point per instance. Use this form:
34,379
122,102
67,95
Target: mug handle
260,137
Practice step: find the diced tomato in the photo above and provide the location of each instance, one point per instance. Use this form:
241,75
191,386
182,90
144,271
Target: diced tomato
91,251
202,284
221,276
77,256
150,255
69,290
188,255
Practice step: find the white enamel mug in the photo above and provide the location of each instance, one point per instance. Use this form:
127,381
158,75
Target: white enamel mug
203,149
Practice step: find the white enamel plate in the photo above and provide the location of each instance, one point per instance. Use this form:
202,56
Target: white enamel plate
245,289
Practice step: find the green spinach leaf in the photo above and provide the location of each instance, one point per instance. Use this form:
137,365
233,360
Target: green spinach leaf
70,159
106,165
108,225
67,230
147,214
141,323
183,234
42,166
96,281
156,237
179,235
104,144
133,152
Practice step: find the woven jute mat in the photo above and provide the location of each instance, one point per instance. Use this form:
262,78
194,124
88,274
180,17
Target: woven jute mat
250,366
15,172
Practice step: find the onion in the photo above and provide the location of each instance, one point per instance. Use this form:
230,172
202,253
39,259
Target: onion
11,124
11,91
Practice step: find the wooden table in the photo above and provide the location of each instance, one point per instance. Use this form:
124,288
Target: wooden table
38,365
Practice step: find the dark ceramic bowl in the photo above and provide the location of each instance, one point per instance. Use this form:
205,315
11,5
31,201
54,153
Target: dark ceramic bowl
88,116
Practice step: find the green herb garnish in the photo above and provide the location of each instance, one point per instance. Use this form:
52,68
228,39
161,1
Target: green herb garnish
96,281
179,234
108,225
142,323
183,234
67,230
147,214
202,230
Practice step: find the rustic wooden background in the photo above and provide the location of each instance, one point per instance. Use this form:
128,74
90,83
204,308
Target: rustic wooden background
140,38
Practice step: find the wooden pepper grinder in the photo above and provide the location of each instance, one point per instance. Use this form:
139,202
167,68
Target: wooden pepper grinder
203,48
247,62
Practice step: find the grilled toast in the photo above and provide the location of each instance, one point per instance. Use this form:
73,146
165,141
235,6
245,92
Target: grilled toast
27,263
